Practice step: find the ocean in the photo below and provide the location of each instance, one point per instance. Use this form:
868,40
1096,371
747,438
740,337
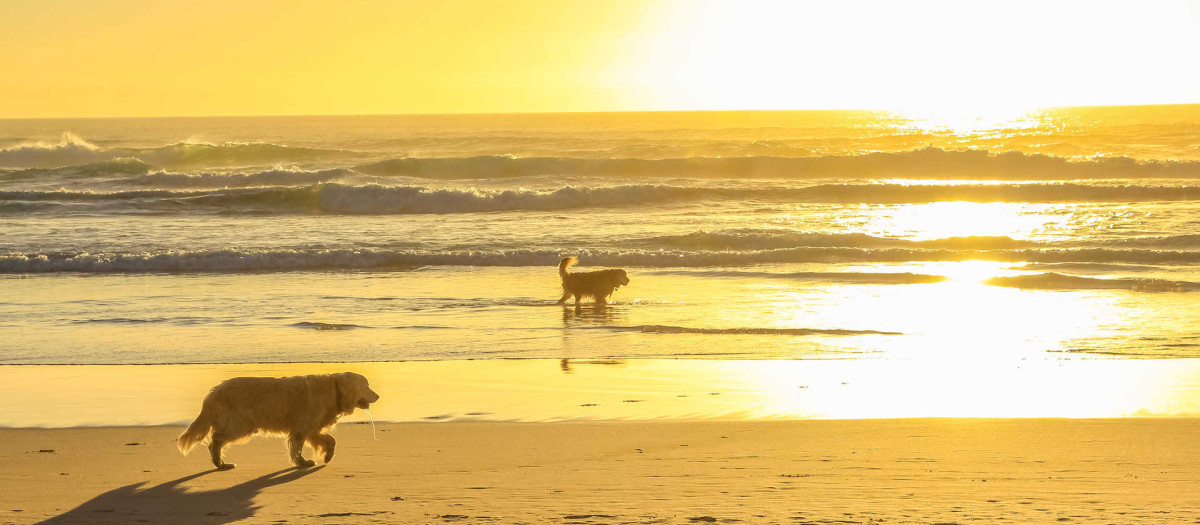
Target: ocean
1068,234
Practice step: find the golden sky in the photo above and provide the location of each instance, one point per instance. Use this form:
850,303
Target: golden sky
84,58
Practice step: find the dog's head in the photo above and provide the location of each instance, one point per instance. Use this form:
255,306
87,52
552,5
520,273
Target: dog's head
353,392
620,278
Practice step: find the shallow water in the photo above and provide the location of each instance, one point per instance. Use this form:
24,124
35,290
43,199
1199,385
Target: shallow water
776,312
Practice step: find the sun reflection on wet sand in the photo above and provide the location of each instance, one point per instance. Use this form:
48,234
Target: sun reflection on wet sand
553,390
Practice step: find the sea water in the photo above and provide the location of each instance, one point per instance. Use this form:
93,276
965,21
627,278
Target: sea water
1061,234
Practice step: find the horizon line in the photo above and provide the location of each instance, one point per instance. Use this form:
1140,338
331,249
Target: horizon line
540,113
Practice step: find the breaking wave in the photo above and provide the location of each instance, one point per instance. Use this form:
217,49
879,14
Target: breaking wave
99,170
276,177
248,195
768,239
772,239
185,154
928,162
233,260
72,150
1164,241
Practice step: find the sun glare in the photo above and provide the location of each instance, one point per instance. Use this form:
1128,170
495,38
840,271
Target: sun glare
941,220
921,59
947,119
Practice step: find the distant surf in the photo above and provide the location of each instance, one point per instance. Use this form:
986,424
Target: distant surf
924,163
374,199
258,260
73,150
931,162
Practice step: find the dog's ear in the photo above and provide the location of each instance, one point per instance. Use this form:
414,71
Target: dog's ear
347,395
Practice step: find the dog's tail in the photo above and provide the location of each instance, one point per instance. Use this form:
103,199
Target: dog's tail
565,263
197,431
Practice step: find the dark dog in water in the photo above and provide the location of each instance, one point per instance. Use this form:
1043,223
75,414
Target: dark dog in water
598,285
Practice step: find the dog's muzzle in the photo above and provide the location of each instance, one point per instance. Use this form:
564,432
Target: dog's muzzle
365,402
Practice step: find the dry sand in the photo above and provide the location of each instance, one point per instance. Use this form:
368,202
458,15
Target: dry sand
1130,470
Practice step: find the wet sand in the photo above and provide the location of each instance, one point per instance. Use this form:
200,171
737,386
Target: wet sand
641,441
546,390
1132,470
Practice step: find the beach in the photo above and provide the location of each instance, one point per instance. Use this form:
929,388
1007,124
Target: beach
830,471
831,316
599,263
626,441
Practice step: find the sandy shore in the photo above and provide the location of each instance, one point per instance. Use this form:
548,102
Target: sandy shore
848,471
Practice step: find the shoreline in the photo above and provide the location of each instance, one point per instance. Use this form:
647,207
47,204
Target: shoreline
1131,470
543,390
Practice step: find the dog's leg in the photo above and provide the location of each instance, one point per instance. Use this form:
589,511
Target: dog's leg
217,447
296,451
323,444
566,295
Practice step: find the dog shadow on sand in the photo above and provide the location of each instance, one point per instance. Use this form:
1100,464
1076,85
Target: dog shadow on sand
174,503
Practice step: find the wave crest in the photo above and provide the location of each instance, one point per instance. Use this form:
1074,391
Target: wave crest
72,150
233,260
275,177
99,170
334,197
926,163
766,240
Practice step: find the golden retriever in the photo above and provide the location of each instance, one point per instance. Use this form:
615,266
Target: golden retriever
300,408
598,284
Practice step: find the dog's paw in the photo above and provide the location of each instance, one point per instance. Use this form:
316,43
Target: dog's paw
306,463
225,466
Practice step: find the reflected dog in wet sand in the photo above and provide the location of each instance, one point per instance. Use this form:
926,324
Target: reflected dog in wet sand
300,408
597,285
